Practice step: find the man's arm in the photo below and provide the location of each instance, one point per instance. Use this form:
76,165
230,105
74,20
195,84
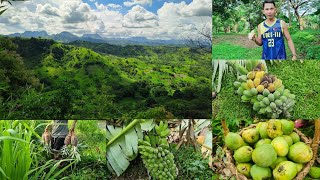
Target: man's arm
258,39
290,42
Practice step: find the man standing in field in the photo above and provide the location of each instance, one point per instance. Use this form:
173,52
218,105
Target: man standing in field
59,133
270,35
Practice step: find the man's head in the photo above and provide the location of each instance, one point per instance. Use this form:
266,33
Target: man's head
269,8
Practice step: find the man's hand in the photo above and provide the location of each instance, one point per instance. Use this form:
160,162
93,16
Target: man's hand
294,57
251,35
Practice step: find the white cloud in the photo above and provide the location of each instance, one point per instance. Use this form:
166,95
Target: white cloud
114,6
76,12
197,8
47,9
100,7
136,2
181,20
138,17
172,20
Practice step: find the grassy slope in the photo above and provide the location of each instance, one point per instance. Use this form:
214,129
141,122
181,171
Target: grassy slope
300,78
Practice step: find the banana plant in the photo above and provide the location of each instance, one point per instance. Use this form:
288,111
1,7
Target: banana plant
122,143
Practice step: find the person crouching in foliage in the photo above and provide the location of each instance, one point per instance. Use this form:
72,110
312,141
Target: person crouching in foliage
59,133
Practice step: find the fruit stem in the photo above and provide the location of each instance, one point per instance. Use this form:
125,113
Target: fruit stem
130,126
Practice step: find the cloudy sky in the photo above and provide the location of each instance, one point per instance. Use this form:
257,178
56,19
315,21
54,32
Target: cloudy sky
154,19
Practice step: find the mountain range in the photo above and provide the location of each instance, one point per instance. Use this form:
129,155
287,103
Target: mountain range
96,38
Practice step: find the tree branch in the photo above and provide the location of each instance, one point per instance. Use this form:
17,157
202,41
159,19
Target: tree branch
302,3
304,12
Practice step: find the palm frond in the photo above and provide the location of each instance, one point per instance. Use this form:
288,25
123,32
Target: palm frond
222,68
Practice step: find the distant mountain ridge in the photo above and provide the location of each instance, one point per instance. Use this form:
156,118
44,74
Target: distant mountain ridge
96,38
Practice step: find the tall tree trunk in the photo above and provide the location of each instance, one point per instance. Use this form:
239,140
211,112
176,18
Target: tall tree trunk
296,13
301,23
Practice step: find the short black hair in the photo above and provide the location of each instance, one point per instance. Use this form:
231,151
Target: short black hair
268,1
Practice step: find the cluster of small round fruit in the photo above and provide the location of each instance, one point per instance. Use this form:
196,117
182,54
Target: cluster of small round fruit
266,92
270,148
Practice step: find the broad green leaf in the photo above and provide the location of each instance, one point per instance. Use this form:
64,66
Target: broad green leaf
139,132
117,159
147,124
131,140
112,131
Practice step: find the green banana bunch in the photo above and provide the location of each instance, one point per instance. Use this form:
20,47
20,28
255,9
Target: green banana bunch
158,160
251,64
154,150
162,130
147,138
240,69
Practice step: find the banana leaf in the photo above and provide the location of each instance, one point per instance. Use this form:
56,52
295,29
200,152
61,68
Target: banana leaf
122,143
221,67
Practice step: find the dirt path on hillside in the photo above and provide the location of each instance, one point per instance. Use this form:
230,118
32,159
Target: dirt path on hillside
235,39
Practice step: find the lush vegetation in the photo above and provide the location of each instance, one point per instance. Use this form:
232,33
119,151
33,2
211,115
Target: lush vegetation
41,78
191,163
20,142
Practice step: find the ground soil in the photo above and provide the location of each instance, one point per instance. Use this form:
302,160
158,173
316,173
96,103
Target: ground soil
235,39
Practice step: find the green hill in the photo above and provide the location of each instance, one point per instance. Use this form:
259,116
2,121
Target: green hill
84,80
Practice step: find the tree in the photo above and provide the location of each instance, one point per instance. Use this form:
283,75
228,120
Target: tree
14,76
203,39
301,8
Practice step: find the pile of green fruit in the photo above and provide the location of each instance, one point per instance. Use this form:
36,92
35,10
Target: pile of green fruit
266,92
271,149
154,150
